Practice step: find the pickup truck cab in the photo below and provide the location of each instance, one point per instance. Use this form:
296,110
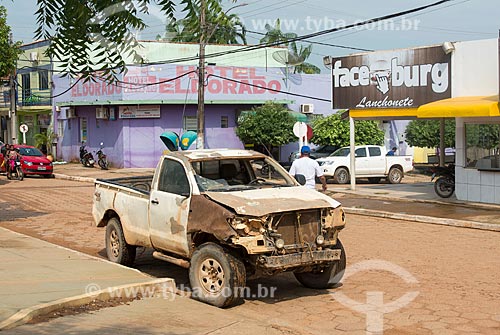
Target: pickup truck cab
372,162
215,213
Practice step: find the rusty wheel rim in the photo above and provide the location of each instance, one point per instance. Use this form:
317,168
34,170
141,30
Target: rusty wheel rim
114,243
211,276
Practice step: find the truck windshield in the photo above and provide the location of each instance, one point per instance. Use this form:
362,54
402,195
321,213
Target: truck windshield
240,174
342,152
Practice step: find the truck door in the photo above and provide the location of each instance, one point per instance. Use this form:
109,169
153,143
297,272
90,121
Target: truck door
169,208
362,162
377,161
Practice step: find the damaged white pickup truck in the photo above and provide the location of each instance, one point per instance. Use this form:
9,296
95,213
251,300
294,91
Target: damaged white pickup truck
207,210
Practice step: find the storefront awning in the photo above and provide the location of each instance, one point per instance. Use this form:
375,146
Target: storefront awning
460,107
453,107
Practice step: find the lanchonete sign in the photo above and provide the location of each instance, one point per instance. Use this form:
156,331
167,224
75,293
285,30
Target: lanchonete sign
391,79
162,82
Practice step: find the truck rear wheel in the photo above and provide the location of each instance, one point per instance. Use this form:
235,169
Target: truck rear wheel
341,175
326,277
217,277
117,249
395,175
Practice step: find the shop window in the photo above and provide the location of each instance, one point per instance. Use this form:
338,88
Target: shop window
224,122
190,123
482,146
43,80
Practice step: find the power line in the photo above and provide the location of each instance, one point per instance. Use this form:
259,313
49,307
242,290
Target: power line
319,43
298,38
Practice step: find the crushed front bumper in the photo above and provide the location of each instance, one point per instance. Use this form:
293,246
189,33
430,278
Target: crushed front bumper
299,259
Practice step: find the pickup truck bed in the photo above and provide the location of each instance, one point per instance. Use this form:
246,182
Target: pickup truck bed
140,184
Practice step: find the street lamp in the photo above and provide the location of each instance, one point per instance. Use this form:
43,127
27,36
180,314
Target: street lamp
200,141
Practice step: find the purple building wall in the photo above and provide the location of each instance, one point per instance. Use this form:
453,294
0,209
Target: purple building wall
136,142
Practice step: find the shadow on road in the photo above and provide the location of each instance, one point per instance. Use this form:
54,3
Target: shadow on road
12,212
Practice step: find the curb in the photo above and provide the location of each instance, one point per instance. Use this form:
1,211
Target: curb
424,219
425,201
164,286
74,178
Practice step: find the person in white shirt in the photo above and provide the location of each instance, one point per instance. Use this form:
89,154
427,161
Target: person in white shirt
309,168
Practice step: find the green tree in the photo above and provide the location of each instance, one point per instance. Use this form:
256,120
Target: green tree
295,55
331,130
97,35
221,28
270,125
9,52
425,133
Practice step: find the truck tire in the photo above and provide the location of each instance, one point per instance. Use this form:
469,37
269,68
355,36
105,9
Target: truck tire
117,249
217,277
327,277
395,175
341,175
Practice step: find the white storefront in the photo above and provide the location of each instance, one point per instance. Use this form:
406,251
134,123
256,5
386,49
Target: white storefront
454,80
475,72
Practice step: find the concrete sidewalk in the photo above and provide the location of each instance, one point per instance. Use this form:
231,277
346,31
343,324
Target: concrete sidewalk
40,277
170,314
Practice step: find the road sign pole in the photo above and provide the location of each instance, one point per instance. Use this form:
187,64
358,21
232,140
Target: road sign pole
24,138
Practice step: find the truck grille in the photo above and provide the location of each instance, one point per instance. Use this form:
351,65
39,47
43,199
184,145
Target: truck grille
300,227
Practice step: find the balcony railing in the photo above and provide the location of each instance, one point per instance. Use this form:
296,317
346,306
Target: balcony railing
31,97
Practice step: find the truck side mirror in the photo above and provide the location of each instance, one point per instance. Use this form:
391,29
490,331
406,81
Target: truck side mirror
300,178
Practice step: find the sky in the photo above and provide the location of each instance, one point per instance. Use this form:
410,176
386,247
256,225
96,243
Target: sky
458,20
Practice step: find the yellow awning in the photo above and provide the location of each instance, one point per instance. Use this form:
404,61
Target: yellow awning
460,107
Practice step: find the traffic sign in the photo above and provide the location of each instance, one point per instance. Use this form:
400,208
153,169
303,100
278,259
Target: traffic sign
300,129
23,128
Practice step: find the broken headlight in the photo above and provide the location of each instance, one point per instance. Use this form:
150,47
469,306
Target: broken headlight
247,226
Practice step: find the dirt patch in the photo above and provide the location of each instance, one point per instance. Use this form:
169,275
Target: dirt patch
94,305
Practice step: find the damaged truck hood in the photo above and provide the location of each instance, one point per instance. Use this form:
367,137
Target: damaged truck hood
273,200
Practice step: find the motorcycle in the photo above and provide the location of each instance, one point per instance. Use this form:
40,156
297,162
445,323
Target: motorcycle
14,167
444,186
86,157
102,159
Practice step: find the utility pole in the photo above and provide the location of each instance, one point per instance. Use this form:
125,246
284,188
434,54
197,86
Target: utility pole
205,36
200,141
12,111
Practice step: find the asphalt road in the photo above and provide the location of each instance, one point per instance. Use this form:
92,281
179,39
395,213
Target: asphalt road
406,277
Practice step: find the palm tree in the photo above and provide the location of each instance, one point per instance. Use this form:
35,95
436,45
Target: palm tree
275,35
222,28
303,53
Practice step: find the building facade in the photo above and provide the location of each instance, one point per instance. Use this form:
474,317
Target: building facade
130,115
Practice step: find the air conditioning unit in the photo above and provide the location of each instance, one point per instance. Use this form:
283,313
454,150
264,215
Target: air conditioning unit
102,113
34,56
70,113
307,108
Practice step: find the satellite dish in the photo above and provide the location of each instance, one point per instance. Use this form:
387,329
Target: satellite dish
288,59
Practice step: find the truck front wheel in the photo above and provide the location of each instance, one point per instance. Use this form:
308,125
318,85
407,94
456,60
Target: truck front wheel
117,249
217,277
326,277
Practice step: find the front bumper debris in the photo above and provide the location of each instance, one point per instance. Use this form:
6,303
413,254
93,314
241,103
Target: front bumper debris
299,259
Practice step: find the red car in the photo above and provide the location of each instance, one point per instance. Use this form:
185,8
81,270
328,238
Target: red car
32,161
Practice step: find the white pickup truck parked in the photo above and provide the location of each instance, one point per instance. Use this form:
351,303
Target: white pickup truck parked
372,162
216,213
